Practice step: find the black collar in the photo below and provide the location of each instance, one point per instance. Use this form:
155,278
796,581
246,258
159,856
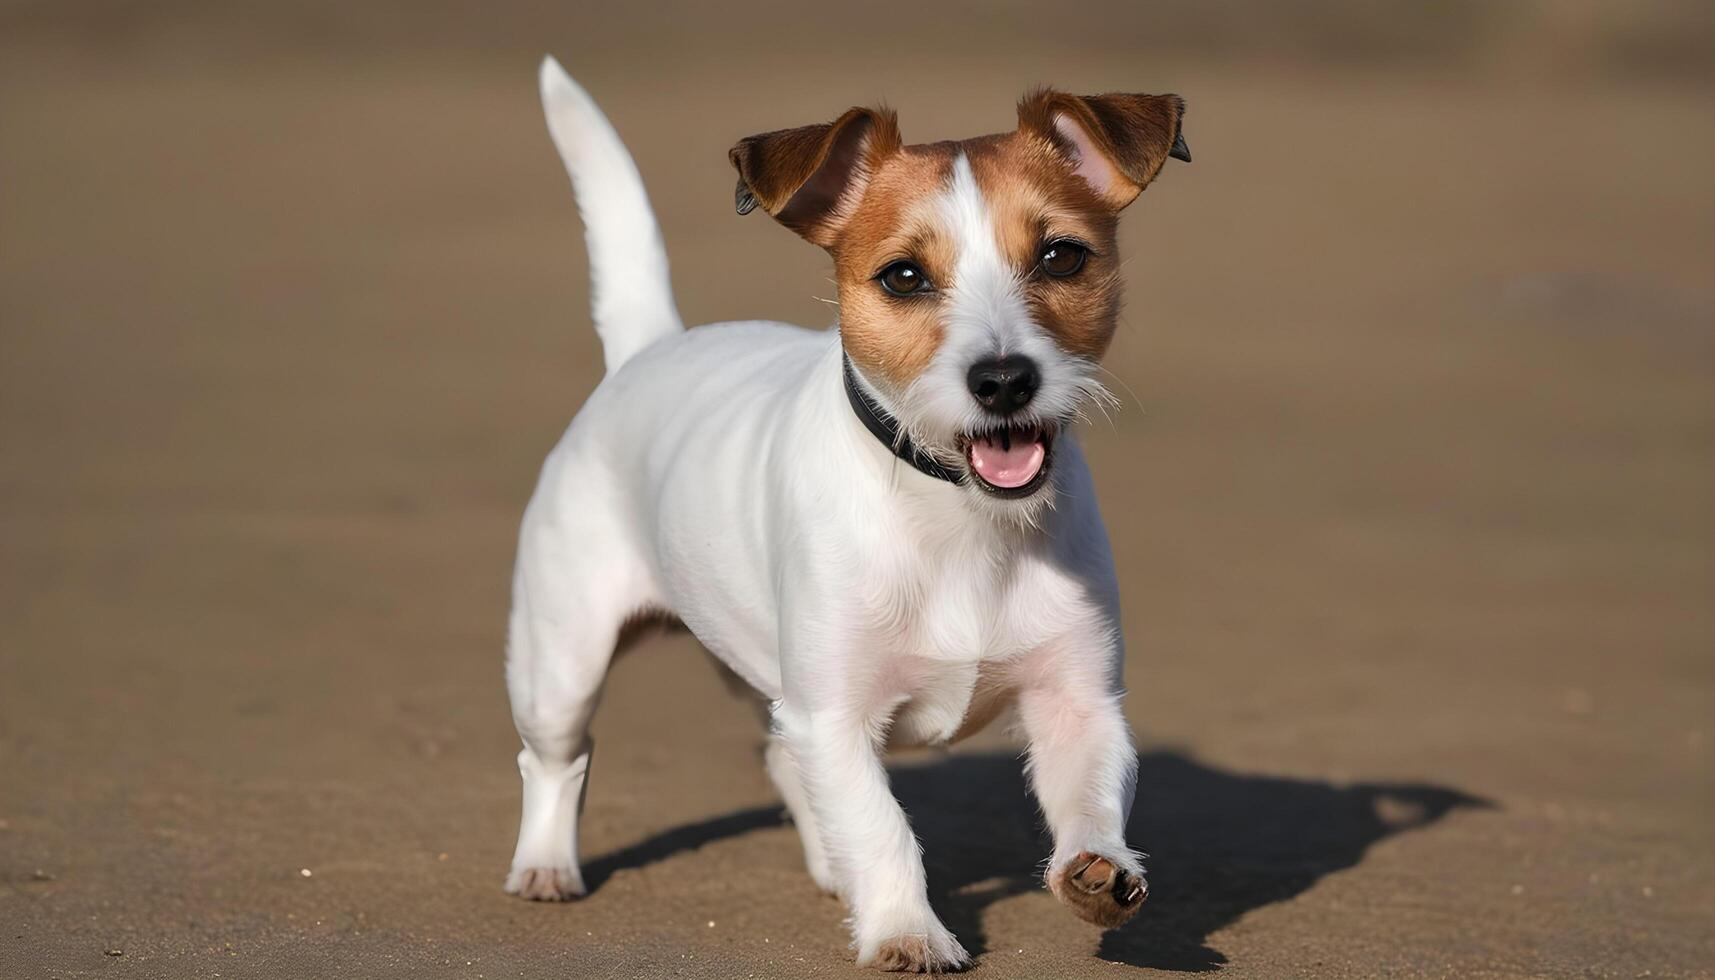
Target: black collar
886,430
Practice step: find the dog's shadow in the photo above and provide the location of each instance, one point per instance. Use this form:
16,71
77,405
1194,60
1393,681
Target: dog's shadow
1222,843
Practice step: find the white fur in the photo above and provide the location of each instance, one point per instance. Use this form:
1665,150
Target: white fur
632,298
720,475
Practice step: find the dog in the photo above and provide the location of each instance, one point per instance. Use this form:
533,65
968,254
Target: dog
888,529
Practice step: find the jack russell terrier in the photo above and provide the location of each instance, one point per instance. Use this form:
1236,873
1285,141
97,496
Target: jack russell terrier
888,530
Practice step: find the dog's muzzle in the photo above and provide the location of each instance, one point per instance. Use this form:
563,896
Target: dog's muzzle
1009,460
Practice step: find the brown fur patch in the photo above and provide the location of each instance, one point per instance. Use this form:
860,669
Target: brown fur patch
892,338
1134,132
807,177
1034,197
851,187
1097,890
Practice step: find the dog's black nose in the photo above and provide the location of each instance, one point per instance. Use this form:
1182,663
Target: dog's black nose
1004,384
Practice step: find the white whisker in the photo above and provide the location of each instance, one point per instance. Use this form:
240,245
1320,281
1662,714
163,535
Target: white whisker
1121,382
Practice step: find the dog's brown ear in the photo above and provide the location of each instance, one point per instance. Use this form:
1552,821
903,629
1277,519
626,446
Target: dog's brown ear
811,177
1117,143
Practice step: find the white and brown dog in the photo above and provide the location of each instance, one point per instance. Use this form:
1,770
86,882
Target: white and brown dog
887,530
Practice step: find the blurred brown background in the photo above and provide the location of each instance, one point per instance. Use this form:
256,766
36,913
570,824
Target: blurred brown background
1413,497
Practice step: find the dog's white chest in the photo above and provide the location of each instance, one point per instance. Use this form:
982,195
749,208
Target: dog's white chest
953,652
959,615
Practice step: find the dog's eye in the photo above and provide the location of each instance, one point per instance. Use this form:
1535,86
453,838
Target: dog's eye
903,278
1063,258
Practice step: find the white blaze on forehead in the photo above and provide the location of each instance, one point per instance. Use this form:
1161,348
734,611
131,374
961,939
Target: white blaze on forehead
985,298
984,314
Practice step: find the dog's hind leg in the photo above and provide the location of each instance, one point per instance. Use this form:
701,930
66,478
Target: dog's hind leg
577,582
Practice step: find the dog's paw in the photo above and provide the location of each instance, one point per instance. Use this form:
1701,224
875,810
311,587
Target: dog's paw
1097,890
936,952
545,884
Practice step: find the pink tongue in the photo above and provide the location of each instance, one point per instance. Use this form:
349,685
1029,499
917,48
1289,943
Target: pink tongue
1007,468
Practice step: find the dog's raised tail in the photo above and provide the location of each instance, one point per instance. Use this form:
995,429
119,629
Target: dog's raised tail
631,296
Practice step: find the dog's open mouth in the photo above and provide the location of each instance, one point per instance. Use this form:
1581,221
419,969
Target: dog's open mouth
1012,461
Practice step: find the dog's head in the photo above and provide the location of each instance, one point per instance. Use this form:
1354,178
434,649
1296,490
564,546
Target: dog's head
979,280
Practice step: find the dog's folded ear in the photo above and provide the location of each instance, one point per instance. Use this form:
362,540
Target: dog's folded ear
810,178
1117,143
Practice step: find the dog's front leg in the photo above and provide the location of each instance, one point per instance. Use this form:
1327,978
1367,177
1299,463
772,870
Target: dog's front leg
875,854
1083,768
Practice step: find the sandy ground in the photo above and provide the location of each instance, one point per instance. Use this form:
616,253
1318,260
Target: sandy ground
1413,497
